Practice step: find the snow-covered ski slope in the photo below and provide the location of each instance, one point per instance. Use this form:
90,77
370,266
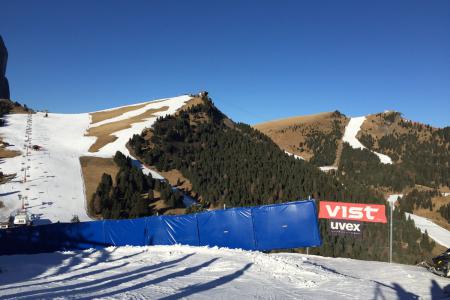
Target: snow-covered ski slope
54,185
436,232
174,272
352,129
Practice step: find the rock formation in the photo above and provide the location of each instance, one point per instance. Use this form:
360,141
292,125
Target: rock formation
4,86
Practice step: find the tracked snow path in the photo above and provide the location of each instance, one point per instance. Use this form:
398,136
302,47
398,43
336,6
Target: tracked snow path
174,272
54,186
350,133
436,232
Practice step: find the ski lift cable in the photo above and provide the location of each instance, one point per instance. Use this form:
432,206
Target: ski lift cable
243,110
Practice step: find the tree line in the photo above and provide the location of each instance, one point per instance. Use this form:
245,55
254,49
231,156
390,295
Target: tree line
233,163
132,193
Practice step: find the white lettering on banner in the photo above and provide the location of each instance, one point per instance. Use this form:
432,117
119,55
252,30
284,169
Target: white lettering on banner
332,213
343,226
353,212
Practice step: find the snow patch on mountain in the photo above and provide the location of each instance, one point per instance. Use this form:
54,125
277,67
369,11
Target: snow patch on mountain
393,198
174,272
294,155
436,232
350,133
124,135
328,168
54,184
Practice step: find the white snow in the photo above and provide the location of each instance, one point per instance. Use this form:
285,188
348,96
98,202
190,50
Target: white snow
393,198
436,232
124,135
55,188
352,129
328,168
294,155
174,272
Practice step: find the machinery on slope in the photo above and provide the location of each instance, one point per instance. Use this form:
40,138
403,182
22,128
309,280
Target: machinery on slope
440,264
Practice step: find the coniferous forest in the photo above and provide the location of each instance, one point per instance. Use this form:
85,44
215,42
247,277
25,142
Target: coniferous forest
421,155
132,194
234,164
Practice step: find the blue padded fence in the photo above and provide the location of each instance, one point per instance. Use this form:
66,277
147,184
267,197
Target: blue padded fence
266,227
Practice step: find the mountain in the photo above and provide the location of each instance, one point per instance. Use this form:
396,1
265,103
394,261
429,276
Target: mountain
57,160
4,86
382,150
232,164
106,164
315,138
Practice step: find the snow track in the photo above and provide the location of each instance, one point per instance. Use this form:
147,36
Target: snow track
173,272
54,187
350,133
436,232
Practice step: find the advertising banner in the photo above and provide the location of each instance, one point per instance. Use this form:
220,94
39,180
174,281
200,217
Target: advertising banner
352,211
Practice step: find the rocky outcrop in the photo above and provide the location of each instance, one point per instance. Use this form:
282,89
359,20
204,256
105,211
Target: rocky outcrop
4,86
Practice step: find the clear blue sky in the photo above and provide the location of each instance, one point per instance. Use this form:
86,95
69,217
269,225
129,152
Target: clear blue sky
259,60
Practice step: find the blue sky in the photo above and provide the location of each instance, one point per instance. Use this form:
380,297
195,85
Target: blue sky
259,60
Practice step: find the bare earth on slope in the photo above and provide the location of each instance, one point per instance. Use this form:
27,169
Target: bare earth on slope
104,133
290,132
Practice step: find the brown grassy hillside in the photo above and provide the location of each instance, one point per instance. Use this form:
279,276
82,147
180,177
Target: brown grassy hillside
295,135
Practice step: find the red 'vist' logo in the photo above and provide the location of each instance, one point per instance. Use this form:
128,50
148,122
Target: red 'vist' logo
352,211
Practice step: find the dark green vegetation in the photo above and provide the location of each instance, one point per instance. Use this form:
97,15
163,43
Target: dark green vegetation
7,106
444,210
324,145
365,167
421,154
417,199
234,164
132,194
416,161
227,162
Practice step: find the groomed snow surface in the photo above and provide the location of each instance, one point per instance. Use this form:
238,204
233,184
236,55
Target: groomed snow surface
352,129
174,272
436,232
55,187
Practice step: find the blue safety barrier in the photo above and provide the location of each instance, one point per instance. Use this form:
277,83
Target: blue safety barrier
287,225
232,228
125,232
267,227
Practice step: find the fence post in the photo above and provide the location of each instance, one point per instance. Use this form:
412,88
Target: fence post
391,206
